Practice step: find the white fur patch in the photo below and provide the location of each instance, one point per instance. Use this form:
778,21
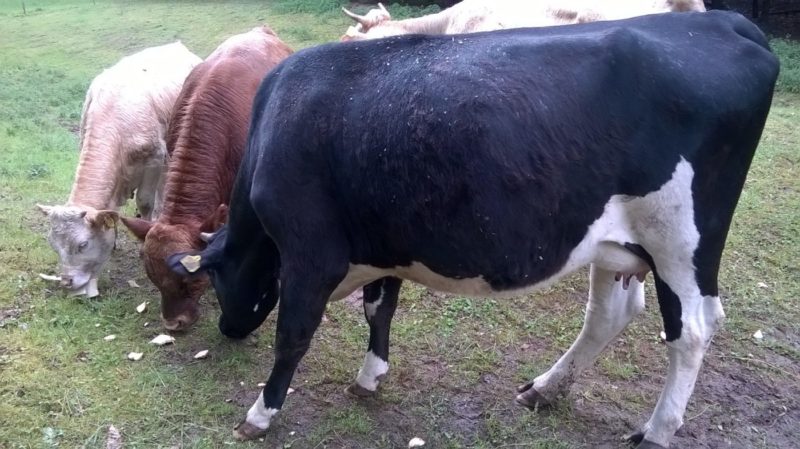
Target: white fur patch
371,308
259,415
373,368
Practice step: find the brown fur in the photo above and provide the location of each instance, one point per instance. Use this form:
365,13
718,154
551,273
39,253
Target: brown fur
207,137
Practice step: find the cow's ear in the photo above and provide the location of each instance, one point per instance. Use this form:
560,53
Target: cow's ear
352,34
47,210
137,226
102,219
190,263
215,221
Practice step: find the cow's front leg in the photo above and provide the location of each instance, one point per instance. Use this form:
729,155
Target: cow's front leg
609,310
299,314
380,302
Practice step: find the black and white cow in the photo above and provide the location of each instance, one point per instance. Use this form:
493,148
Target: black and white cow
490,164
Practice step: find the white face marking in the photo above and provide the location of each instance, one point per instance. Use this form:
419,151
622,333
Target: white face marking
259,415
373,368
371,308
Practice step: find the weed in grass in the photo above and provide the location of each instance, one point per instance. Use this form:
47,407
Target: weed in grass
38,171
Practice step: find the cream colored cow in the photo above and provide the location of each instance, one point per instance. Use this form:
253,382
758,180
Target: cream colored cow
123,150
471,16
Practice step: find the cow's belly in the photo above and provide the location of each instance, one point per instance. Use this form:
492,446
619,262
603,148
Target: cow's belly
602,245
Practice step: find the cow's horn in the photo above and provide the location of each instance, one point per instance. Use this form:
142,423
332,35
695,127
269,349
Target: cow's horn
380,5
360,19
206,236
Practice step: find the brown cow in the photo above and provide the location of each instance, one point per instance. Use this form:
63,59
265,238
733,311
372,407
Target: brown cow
207,136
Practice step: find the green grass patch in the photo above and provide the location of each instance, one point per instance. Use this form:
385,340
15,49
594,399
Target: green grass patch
789,53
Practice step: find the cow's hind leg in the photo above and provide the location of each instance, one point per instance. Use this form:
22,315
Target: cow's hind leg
380,302
306,285
690,321
609,310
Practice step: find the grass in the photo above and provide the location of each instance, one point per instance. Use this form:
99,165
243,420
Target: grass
789,53
454,360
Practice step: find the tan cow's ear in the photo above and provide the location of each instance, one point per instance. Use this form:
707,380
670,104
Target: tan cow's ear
215,221
105,219
352,34
137,226
44,209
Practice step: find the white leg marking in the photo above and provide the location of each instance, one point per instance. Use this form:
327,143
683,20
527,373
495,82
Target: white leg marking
609,310
670,235
259,415
701,318
373,368
371,308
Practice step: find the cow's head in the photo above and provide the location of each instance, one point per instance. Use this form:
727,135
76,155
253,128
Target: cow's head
244,276
83,237
179,294
374,24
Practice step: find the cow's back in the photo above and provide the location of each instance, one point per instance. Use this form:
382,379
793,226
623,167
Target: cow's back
133,99
211,118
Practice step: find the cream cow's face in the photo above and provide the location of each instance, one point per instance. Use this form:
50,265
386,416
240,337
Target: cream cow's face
83,237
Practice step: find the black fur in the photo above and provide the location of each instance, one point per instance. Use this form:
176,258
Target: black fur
487,154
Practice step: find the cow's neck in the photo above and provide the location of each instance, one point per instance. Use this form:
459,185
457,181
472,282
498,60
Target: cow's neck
197,185
98,181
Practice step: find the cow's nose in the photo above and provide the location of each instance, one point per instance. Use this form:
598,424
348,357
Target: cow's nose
180,322
66,281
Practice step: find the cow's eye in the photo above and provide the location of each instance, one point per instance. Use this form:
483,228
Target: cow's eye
83,246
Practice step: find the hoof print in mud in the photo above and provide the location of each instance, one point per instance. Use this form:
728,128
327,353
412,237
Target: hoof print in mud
529,397
245,431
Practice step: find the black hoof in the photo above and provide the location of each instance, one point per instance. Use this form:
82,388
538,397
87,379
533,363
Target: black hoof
244,431
524,387
635,438
529,397
358,391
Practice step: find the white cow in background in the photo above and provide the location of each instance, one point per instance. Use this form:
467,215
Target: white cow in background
471,16
123,150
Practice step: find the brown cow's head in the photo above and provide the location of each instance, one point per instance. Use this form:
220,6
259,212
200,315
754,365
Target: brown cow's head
179,295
